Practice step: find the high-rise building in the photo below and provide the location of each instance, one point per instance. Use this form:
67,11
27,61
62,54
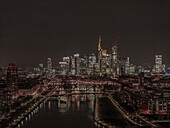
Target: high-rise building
63,68
100,55
103,60
83,66
105,63
12,76
75,64
159,67
96,69
115,62
163,68
67,64
127,66
72,71
49,63
132,69
86,58
108,64
91,62
140,69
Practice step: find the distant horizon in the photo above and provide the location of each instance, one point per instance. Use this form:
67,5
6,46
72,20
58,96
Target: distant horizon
57,63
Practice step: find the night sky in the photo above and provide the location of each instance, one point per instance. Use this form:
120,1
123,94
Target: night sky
33,30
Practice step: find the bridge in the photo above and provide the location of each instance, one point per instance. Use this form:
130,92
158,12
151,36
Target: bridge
58,91
56,81
78,93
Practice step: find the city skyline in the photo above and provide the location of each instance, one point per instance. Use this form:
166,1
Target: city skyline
115,42
107,52
39,30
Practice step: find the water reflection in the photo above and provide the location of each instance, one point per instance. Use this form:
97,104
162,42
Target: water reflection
69,102
59,105
49,105
78,108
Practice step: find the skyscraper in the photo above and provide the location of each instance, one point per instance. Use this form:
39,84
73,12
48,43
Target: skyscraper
65,66
104,64
92,61
100,55
49,63
115,66
83,66
75,64
159,67
127,66
12,76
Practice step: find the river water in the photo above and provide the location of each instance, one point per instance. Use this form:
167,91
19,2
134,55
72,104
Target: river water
75,111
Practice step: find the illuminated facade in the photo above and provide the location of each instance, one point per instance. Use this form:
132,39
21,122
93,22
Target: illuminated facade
127,66
159,67
72,71
83,66
49,63
63,68
12,77
75,64
115,61
91,62
132,69
100,56
105,63
96,69
103,66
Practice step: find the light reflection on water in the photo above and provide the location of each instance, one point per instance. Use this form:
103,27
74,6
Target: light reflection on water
78,108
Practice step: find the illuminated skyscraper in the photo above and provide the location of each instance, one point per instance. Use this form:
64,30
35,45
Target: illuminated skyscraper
105,63
75,64
108,64
103,60
159,67
92,61
12,77
49,63
83,66
99,44
65,66
132,69
115,62
96,69
100,55
72,71
127,66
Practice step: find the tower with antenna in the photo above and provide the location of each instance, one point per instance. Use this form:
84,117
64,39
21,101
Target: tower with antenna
100,54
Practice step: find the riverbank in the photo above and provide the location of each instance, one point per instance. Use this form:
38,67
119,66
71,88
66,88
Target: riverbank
27,112
106,115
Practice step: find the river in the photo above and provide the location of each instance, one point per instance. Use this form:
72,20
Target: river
75,111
